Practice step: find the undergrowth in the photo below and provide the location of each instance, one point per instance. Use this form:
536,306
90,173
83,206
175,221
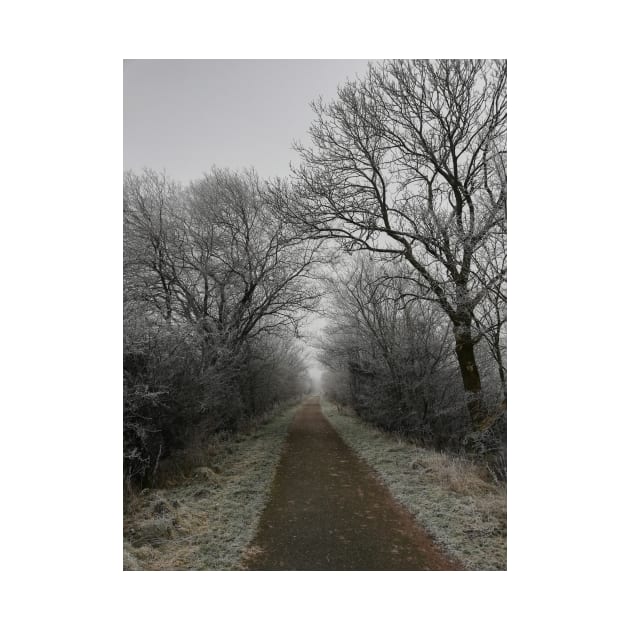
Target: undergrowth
208,509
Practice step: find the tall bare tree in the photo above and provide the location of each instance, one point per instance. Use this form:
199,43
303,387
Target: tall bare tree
409,162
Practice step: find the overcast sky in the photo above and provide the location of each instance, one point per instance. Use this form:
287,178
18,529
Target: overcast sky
183,116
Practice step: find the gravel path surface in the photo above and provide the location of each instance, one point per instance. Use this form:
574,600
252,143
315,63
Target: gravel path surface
328,511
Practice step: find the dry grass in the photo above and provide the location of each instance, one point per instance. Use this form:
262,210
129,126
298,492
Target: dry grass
206,518
451,497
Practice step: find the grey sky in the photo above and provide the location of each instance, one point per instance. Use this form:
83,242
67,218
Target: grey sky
183,116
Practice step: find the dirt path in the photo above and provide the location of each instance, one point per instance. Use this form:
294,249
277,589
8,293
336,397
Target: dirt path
328,511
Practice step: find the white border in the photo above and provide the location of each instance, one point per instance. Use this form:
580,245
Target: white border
61,256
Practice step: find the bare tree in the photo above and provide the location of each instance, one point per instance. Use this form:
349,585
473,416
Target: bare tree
150,204
216,256
250,272
410,163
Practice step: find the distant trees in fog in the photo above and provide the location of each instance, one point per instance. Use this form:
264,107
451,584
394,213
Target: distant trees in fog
213,282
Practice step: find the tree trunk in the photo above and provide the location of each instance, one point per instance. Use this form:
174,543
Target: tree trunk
465,351
502,376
